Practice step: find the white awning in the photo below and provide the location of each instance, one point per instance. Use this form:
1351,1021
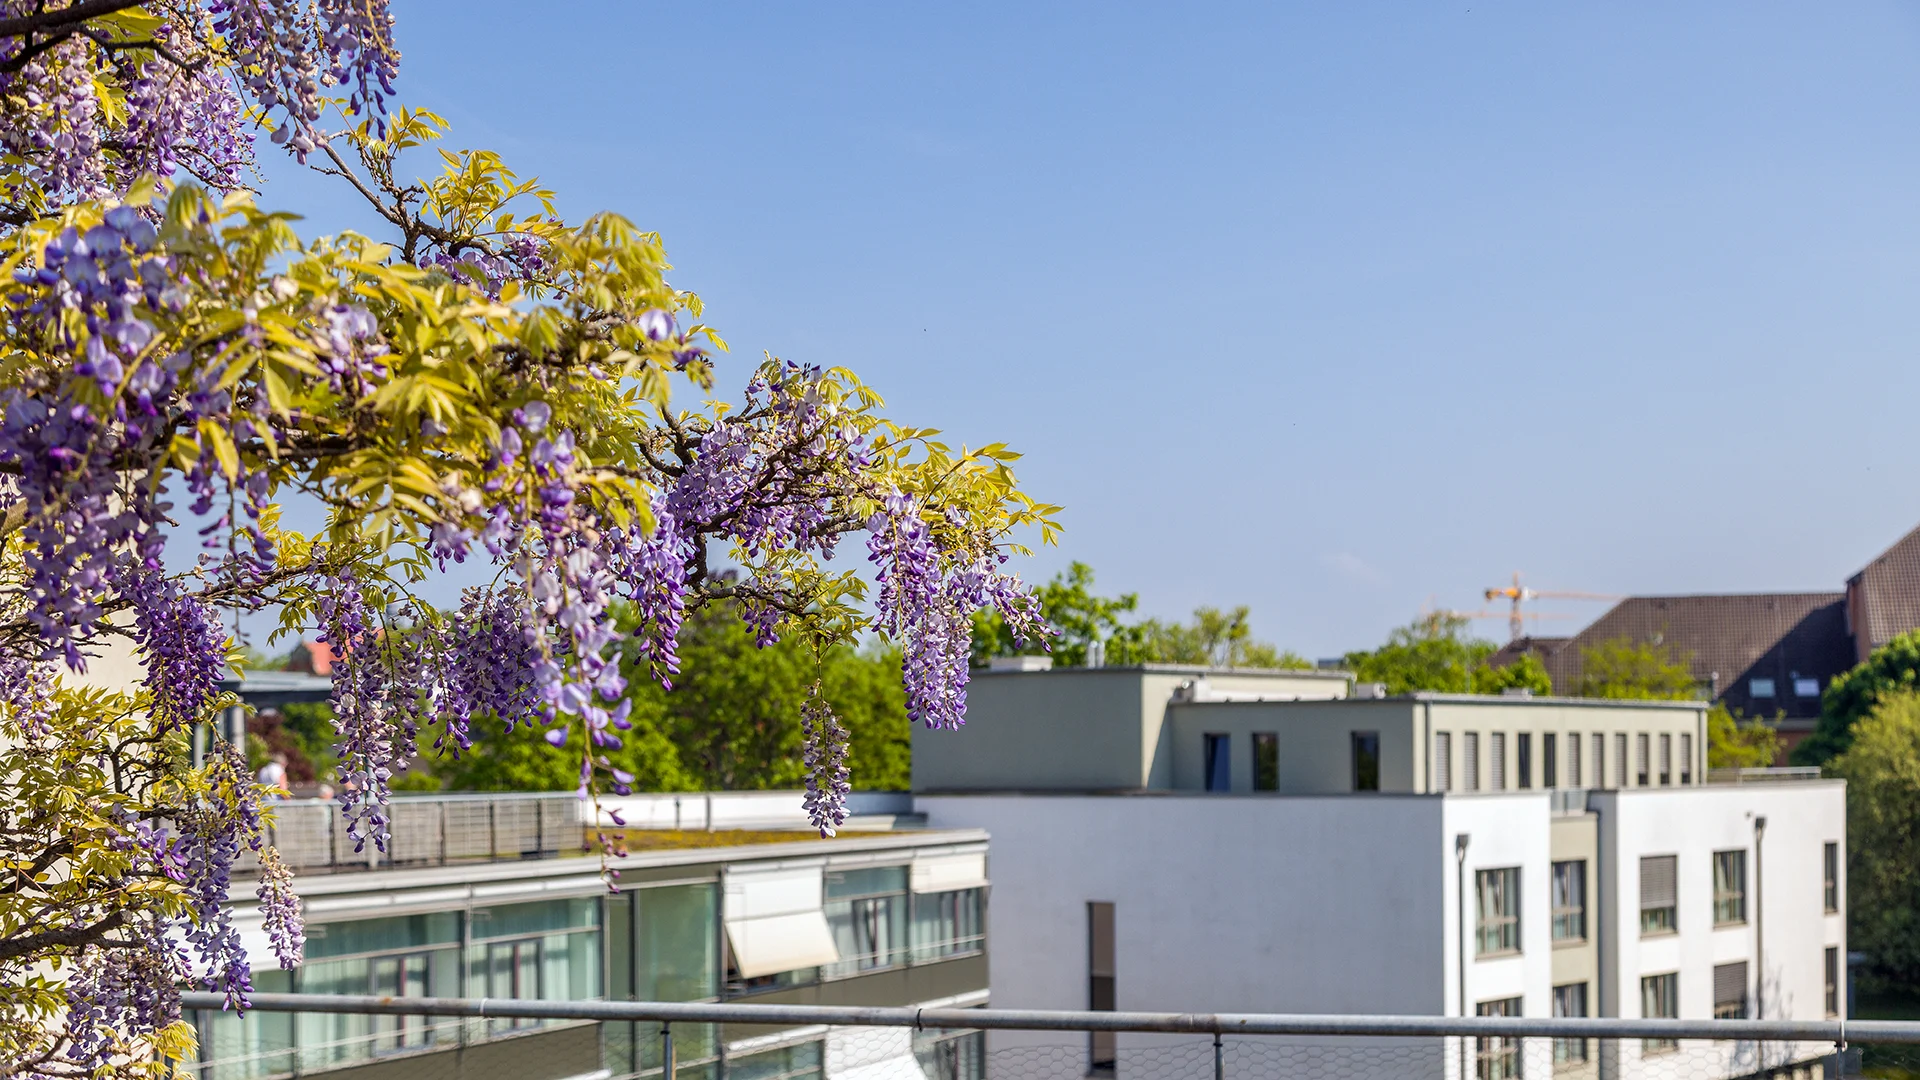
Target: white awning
948,873
774,920
776,943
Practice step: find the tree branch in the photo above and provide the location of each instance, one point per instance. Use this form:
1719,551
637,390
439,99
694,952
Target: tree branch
11,948
63,18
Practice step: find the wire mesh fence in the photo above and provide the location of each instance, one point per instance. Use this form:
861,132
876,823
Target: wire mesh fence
351,1037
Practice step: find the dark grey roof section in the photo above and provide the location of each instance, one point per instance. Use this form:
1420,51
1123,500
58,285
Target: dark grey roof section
265,689
1727,641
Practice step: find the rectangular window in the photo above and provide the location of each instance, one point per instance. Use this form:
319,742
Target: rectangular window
1497,762
1730,991
1570,1000
799,1062
1760,688
1549,765
1806,688
1659,894
1686,759
1570,900
1830,871
1523,755
1442,761
1219,761
1100,979
1366,761
1497,1058
1729,887
1620,760
1574,775
1666,761
1599,760
867,912
1659,1000
547,949
1642,764
1498,921
1266,761
1470,762
943,1055
1833,980
947,924
676,943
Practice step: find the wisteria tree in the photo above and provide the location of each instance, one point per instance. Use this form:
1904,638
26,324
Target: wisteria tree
486,384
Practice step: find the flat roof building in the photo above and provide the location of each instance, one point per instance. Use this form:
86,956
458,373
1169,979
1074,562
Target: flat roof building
1420,855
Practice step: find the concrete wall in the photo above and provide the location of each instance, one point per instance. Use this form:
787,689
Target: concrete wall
1079,729
1576,838
1236,905
1458,715
1316,754
1315,742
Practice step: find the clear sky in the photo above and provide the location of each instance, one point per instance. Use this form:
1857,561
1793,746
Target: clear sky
1332,311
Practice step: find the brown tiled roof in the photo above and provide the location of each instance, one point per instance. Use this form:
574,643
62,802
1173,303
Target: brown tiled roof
1886,594
1730,640
1541,647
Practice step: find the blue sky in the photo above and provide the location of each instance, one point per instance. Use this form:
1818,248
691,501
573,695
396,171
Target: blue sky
1334,312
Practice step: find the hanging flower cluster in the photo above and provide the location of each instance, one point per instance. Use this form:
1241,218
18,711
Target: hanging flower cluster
493,391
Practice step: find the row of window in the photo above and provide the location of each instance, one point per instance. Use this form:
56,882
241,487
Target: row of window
1217,761
1497,897
1802,688
1499,1058
661,944
1578,769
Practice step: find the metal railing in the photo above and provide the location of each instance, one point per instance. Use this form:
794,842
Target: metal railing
841,1038
1836,1031
430,830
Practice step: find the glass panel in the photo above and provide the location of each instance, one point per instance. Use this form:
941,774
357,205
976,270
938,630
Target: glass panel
1570,1000
328,1039
676,943
1497,1058
800,1062
1499,910
1266,761
544,916
1366,761
258,1044
874,881
382,935
946,924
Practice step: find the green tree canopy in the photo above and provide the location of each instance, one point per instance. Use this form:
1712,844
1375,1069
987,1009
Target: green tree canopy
1216,637
1070,607
1635,670
1734,743
1434,652
730,723
1893,668
1882,769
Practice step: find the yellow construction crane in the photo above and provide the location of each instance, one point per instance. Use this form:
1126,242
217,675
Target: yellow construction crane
1518,594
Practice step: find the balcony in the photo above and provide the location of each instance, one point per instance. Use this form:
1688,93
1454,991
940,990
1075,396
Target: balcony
437,830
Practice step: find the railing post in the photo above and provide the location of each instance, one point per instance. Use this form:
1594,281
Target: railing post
1219,1059
667,1064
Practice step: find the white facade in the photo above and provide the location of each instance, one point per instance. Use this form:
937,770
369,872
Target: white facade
1352,904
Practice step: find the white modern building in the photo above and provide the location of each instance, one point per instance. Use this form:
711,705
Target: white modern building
723,897
1420,855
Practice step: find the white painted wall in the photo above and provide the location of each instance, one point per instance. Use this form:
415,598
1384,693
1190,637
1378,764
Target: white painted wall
1221,903
1692,825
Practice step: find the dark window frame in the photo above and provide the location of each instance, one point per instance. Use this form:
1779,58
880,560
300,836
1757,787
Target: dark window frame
1266,761
1366,760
